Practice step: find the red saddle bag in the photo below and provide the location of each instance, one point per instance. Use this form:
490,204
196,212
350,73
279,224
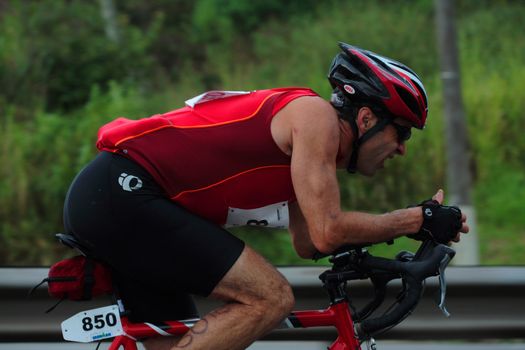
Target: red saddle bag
78,278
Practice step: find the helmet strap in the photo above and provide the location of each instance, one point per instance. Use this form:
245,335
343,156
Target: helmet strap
358,141
352,166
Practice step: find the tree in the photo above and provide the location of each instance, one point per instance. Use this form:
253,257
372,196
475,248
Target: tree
459,178
107,9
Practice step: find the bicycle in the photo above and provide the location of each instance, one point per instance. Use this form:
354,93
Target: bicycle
354,327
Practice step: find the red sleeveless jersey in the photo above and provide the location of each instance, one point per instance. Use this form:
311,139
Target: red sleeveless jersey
216,156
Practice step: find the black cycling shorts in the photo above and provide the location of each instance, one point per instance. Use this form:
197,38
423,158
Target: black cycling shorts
160,252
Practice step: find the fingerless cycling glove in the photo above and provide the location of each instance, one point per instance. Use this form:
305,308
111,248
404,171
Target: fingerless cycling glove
441,223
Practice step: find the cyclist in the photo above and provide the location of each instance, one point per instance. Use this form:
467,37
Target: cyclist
154,202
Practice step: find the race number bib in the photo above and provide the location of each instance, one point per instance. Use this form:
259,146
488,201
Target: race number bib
213,95
273,215
93,325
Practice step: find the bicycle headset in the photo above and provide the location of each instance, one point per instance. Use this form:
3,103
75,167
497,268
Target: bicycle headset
391,89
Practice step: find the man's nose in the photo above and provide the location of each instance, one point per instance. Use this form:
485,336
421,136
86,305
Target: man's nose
402,149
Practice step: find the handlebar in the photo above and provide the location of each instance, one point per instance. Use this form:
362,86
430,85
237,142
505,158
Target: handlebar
413,273
431,259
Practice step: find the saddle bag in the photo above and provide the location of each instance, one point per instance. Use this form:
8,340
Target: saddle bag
78,278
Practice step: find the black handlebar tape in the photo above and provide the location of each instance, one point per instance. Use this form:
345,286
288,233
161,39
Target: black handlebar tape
413,274
379,281
409,302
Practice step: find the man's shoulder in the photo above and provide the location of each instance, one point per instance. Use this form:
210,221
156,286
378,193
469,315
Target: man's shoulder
308,118
306,108
297,89
314,101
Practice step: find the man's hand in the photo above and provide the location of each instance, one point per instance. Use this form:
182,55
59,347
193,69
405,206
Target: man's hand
441,223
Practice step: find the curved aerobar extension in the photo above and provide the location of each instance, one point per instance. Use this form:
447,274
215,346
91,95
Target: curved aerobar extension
430,260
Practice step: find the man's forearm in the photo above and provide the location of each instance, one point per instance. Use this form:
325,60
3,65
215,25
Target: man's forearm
358,228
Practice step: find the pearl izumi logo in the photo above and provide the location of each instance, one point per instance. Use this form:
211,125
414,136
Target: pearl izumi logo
129,182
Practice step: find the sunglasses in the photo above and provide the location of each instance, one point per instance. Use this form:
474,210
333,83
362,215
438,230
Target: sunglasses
403,132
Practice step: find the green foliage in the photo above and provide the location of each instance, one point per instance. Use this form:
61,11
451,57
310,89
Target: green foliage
494,89
171,33
496,79
41,62
221,20
61,78
501,203
502,244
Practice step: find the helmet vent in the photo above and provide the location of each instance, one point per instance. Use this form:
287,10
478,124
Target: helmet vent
378,61
421,92
386,67
409,101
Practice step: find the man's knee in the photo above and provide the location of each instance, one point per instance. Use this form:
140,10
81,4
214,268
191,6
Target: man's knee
276,296
252,280
282,299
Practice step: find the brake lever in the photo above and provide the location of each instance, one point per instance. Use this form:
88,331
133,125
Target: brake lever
443,284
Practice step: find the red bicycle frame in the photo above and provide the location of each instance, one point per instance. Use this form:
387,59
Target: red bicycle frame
337,315
431,259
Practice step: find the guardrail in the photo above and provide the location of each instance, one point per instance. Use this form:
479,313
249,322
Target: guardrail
485,303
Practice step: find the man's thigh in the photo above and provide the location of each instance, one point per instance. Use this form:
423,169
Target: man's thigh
169,254
172,254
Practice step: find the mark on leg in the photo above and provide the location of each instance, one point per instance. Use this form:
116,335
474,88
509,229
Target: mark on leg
200,327
217,313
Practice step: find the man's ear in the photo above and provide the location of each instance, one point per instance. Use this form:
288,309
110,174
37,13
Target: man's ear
365,119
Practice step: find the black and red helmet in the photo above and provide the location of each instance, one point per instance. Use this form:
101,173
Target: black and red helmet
361,77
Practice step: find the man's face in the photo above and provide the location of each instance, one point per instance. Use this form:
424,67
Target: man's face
384,145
